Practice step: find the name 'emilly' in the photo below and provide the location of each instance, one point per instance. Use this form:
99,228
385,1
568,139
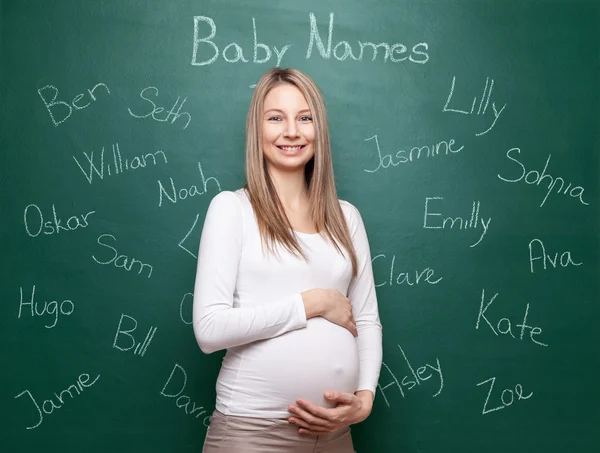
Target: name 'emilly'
460,222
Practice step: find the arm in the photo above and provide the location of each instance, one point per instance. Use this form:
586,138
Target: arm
217,324
363,299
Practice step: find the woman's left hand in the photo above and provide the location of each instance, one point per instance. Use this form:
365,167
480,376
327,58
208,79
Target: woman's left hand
350,409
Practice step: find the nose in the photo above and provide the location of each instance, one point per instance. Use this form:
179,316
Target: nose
291,130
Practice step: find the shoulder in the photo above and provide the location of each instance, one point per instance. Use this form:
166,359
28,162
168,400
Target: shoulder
226,213
355,223
229,198
225,198
351,213
227,202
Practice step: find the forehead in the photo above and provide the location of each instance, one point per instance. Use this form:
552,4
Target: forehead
285,96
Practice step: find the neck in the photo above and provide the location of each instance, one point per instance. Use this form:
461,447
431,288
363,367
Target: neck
291,188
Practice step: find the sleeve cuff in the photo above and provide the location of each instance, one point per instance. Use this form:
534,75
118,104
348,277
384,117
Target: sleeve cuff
367,387
300,311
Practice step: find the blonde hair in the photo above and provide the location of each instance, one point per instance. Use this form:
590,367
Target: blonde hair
325,210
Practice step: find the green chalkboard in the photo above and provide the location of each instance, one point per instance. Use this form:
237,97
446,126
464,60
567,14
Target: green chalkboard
465,132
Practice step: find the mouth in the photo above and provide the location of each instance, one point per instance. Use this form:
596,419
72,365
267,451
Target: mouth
291,149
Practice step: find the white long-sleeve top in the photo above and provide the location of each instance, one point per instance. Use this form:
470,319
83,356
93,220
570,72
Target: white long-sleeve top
250,303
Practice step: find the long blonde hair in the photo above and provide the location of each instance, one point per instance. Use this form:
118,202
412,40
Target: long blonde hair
325,210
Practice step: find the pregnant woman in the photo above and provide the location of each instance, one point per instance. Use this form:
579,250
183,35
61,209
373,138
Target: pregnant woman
285,283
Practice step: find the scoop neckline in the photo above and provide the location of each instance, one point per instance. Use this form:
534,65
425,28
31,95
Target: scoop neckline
304,234
291,229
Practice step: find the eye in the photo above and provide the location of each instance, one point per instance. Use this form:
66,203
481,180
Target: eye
273,118
306,118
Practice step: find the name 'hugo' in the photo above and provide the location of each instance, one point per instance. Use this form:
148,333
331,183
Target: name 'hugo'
53,308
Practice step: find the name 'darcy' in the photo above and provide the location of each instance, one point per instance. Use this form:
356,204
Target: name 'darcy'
462,223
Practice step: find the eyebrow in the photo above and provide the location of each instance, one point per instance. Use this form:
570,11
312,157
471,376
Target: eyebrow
281,111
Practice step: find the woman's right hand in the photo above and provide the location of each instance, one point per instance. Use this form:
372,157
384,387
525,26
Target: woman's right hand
331,305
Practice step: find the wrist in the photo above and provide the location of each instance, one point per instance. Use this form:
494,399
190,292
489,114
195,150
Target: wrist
366,397
312,306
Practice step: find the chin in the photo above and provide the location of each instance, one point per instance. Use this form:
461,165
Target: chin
287,167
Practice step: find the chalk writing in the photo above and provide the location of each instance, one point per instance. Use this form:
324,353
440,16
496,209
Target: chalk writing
540,254
463,223
53,308
404,156
56,109
34,221
188,235
236,50
49,405
181,194
402,278
504,326
485,98
183,401
122,261
507,396
187,319
140,347
574,192
205,51
342,50
172,115
117,165
412,379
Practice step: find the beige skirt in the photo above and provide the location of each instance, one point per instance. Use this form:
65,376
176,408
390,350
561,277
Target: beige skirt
233,434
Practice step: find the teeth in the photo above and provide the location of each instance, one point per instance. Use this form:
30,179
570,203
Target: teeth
290,148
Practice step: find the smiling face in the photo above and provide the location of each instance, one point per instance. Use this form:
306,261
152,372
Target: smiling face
287,129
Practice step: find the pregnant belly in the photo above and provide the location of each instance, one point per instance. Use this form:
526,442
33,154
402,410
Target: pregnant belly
303,363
